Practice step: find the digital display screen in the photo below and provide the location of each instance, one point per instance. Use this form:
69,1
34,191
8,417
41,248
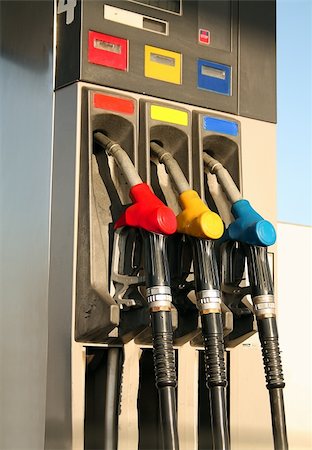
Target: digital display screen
173,6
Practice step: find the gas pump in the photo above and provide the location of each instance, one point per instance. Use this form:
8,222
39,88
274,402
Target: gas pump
257,234
148,213
135,79
198,222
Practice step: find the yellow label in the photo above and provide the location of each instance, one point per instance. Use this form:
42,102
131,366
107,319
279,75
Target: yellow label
169,115
163,65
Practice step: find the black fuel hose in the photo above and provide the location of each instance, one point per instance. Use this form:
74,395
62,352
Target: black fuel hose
207,289
112,397
263,300
157,276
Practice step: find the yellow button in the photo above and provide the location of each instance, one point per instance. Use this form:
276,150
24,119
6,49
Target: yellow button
196,219
163,65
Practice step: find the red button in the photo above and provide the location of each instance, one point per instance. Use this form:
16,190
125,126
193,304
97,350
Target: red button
109,51
204,36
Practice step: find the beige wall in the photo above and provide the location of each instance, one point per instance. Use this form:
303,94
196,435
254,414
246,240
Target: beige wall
295,322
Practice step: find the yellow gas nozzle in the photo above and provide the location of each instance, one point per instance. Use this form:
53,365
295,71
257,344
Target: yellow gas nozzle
196,219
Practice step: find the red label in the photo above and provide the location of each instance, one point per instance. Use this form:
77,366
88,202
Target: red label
204,36
108,51
110,103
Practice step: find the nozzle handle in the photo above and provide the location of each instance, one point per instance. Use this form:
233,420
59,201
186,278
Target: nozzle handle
249,227
148,212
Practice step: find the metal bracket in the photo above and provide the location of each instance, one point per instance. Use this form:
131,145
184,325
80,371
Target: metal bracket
235,296
121,283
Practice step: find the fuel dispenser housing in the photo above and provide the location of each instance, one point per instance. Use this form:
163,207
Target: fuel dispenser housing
137,325
192,78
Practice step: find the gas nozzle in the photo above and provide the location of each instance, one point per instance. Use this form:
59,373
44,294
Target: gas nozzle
196,219
249,227
148,211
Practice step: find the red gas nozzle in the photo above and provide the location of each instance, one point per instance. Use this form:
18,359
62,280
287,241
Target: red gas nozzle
148,212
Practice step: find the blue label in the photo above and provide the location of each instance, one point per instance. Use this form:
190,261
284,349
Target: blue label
214,77
220,126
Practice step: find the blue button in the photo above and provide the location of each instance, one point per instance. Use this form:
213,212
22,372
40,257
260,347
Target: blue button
214,77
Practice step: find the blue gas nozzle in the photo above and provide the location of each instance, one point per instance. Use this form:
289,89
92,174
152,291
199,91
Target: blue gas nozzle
249,227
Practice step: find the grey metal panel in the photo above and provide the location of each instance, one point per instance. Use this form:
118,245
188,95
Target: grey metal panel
68,47
223,50
257,60
218,22
26,131
59,382
185,26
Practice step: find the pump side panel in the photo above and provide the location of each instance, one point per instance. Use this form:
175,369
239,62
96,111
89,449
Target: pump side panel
59,381
257,60
26,109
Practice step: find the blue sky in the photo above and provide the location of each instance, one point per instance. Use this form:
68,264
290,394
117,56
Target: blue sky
294,100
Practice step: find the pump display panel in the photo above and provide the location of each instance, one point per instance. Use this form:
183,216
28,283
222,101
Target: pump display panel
174,6
194,52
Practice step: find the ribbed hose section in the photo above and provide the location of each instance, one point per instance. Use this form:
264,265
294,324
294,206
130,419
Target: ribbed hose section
164,359
271,353
214,350
275,379
165,374
212,329
272,363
